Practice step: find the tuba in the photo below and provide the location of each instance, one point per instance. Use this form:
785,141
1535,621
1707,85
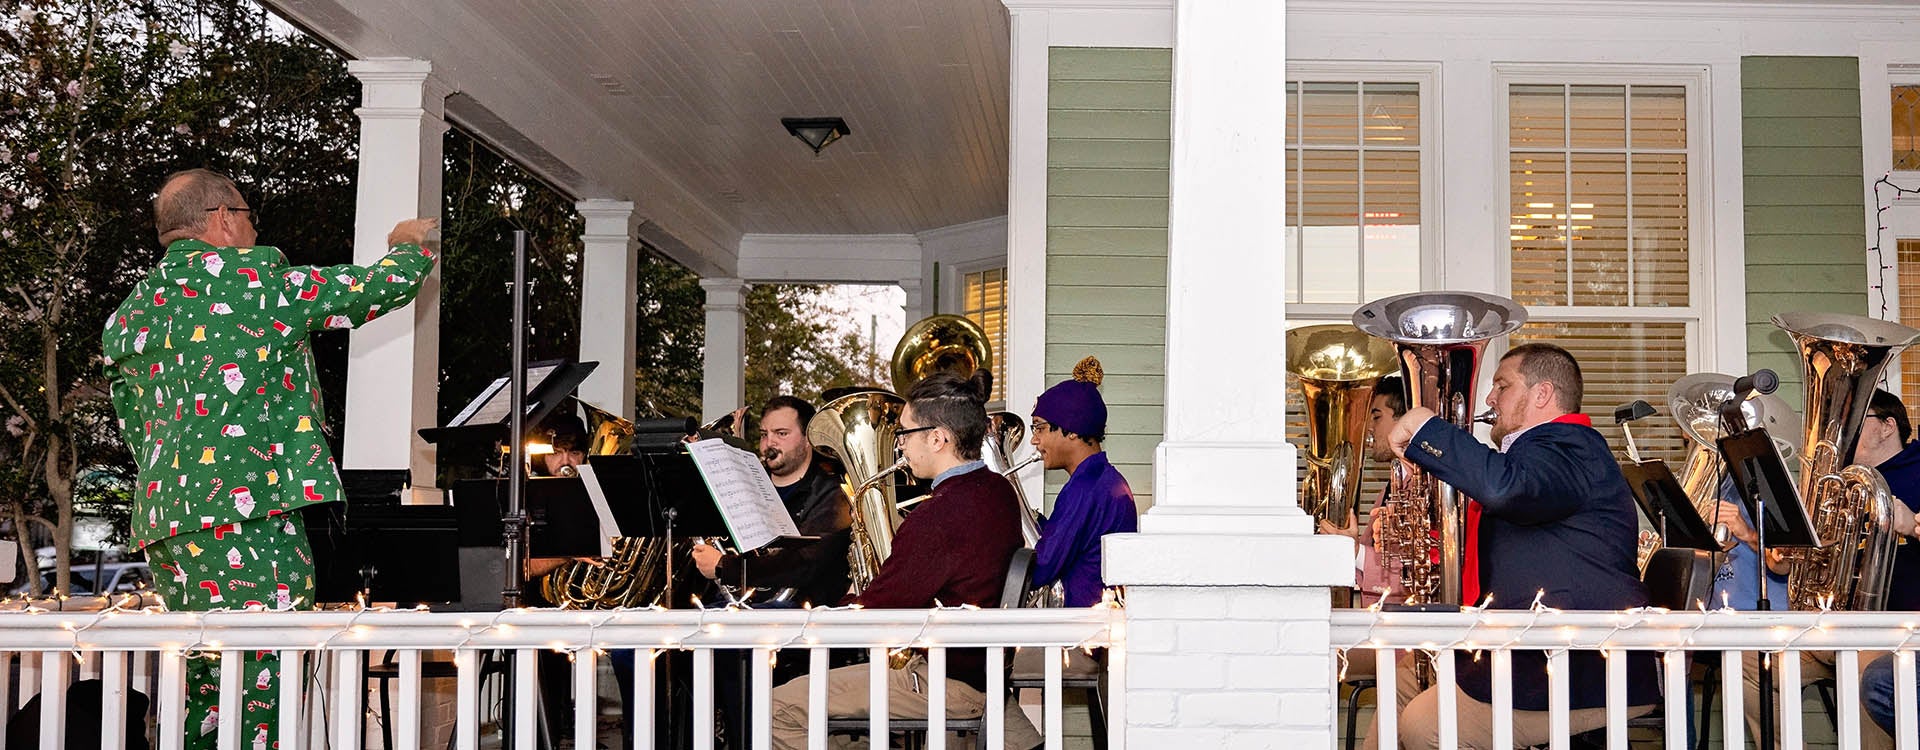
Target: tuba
1438,338
1694,402
1337,367
1006,431
1841,357
936,344
634,576
857,430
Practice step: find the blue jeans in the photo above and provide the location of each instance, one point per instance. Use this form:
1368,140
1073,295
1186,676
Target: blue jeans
1876,690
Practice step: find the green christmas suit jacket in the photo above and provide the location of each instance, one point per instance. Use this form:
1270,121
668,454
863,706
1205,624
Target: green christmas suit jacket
213,379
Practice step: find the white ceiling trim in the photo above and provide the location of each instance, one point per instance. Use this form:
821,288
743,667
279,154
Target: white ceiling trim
831,258
1808,10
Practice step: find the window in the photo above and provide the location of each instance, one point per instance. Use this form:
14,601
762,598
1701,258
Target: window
1601,236
1354,163
1906,128
1908,261
984,299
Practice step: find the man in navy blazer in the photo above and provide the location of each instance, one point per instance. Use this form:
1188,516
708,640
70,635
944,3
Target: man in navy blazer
1552,518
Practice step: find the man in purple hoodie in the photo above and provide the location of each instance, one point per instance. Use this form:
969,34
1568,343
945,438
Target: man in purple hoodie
1069,421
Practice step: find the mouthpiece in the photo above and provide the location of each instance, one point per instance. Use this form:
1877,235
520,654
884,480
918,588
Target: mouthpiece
1009,473
1487,417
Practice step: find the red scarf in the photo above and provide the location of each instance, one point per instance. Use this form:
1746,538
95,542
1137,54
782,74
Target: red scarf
1470,570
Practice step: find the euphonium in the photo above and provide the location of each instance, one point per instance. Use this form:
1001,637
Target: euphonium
1337,367
1438,338
632,577
1841,357
1006,431
857,430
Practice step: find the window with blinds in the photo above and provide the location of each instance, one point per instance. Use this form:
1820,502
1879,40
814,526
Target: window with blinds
1600,211
1353,189
1908,260
984,299
1906,128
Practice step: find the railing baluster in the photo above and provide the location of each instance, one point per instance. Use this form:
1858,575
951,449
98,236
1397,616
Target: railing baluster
1616,699
89,665
1050,694
996,724
29,676
1502,697
406,726
292,686
6,689
349,693
172,707
876,698
141,669
525,701
1444,685
703,698
1903,695
643,699
1788,687
762,730
1733,724
1676,712
817,699
466,699
316,710
113,699
53,700
1116,704
586,707
1557,700
936,699
1846,680
1386,701
233,699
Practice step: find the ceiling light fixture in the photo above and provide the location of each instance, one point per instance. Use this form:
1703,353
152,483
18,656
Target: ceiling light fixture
816,132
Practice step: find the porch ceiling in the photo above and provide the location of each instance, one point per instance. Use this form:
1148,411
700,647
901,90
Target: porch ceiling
675,104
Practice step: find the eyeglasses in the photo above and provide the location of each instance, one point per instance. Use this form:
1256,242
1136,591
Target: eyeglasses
897,434
1040,426
251,216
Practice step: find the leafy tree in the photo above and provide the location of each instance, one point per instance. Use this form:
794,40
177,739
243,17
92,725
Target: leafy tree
795,347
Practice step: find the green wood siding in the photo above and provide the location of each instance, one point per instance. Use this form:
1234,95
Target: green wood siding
1108,126
1805,238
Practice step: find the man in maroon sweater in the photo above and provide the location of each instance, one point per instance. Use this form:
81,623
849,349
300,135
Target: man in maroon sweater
953,550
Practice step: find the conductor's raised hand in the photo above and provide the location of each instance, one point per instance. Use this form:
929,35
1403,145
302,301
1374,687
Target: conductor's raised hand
411,232
1404,429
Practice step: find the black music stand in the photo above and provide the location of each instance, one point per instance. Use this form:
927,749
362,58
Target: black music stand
561,518
485,418
1772,498
1666,504
387,553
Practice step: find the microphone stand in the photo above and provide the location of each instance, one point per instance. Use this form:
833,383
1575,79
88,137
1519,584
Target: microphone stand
1734,422
514,524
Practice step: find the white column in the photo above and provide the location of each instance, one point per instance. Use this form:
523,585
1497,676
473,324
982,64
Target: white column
723,380
1227,601
916,302
393,363
610,264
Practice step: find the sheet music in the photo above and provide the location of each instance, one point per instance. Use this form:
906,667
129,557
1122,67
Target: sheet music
598,496
744,493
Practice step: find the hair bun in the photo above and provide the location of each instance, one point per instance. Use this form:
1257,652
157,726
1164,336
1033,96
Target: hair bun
982,381
1088,371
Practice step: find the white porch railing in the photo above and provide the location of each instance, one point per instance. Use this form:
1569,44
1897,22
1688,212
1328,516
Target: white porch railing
1672,636
144,650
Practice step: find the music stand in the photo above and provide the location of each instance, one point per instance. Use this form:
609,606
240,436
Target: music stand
1666,504
561,518
388,553
642,488
1773,500
485,418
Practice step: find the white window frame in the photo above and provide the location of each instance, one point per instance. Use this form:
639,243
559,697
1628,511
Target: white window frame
1699,314
1432,205
1902,220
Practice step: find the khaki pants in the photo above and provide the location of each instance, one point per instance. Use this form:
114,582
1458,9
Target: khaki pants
1419,717
847,698
1814,665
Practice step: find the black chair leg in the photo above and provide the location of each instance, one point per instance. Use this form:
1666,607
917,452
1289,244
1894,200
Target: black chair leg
1826,700
1097,718
1353,714
1707,687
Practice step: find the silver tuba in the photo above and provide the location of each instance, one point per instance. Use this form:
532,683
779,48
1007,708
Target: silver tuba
857,430
1694,402
1841,357
1439,338
1006,432
1337,367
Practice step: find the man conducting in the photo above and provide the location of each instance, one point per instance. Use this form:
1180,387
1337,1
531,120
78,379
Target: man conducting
1553,485
213,381
954,549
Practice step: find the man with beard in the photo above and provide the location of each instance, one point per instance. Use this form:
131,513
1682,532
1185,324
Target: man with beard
816,571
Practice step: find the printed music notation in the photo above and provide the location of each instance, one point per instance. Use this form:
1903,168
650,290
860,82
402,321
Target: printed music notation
744,494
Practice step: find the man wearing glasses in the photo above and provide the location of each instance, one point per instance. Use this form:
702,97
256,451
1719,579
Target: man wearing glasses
213,382
952,550
1069,421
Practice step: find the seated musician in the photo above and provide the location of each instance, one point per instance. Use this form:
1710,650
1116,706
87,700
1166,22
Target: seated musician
1552,517
1884,445
953,549
816,571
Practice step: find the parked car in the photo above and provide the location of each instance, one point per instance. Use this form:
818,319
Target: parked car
121,577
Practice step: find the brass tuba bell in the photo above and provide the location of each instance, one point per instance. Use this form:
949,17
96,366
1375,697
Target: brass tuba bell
941,343
857,430
1337,367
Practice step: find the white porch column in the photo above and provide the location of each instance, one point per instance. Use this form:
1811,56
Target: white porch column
610,264
723,380
393,363
1227,597
916,303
